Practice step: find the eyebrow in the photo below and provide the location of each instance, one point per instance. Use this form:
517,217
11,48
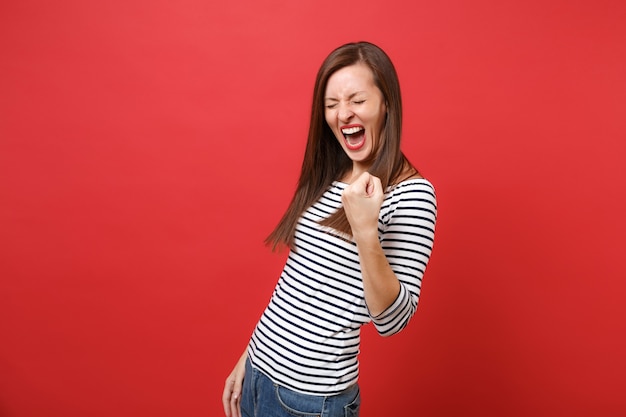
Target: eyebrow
349,97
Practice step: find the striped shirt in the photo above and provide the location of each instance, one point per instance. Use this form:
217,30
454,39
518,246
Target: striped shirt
308,336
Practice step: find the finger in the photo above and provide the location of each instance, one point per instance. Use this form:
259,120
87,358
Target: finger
376,185
369,188
235,401
226,396
372,185
364,179
359,185
236,395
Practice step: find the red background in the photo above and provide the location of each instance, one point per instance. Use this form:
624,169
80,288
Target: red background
148,147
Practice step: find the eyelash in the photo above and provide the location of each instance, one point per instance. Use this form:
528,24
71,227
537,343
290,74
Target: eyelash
332,106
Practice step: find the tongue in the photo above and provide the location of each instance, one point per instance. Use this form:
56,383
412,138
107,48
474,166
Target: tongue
355,141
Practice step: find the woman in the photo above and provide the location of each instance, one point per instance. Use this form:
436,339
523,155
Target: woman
360,229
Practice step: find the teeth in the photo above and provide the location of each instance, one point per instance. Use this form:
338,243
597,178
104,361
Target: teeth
351,130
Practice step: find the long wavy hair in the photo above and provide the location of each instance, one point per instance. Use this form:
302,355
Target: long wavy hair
325,160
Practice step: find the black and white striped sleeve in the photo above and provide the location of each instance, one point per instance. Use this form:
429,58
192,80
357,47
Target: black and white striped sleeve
407,230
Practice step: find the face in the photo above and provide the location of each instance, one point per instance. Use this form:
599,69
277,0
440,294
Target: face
355,112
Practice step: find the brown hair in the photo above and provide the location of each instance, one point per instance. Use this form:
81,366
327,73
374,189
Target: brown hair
324,159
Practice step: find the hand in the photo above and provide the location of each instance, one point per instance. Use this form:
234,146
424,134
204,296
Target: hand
362,201
231,399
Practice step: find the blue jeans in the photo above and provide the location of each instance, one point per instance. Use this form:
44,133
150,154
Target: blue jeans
263,398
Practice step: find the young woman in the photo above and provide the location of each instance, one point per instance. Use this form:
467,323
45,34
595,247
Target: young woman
360,229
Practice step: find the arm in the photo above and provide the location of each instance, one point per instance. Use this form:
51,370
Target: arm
362,201
392,267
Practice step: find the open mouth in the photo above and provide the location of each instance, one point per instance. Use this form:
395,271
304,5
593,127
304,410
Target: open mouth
354,136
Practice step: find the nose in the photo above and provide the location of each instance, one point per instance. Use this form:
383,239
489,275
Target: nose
345,113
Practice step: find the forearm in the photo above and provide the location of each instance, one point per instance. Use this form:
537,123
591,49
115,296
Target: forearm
391,268
380,284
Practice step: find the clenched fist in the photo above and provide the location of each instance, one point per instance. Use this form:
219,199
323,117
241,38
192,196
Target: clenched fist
362,201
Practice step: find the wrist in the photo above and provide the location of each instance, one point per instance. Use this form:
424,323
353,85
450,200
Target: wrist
366,237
